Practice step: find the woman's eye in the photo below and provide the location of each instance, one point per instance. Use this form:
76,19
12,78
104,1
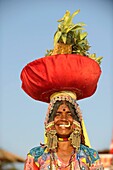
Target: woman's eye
70,114
57,114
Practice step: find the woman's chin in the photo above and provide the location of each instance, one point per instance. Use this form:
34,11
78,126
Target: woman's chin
63,135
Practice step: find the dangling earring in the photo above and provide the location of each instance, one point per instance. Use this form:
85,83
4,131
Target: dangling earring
51,136
76,138
51,139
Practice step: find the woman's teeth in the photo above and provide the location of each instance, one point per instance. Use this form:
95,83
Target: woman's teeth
65,125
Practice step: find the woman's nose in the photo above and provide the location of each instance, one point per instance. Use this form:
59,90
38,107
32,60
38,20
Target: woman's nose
64,116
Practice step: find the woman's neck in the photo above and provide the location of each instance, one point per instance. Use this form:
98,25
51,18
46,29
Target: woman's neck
65,146
65,151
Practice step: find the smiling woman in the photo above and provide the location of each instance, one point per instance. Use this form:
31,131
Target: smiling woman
61,78
65,120
66,147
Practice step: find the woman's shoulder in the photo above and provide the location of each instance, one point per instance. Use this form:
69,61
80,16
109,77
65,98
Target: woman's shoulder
90,154
90,157
33,157
37,151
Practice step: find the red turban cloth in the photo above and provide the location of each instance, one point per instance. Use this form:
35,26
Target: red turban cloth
76,73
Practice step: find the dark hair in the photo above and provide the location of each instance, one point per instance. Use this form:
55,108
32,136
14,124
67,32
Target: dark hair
74,115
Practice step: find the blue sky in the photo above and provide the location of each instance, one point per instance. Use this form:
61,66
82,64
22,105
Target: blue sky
26,32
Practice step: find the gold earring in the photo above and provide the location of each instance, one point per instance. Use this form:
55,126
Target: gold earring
76,138
51,139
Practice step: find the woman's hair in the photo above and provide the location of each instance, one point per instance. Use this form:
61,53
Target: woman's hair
73,112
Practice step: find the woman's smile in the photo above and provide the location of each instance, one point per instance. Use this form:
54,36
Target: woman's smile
63,121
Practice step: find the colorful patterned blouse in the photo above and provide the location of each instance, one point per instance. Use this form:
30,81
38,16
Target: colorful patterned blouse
39,159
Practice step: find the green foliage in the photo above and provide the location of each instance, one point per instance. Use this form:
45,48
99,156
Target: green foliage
72,34
67,28
49,52
97,59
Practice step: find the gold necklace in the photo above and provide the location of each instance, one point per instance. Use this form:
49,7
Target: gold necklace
62,165
59,164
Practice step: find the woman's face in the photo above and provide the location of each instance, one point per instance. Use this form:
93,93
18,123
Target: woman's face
63,121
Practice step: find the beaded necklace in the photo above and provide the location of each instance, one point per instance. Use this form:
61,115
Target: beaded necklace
63,139
59,164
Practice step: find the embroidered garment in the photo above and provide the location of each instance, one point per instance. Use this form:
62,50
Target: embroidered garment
39,159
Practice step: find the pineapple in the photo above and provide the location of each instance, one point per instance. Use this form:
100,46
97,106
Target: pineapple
70,38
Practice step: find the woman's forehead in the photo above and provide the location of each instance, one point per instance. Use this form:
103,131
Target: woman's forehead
63,107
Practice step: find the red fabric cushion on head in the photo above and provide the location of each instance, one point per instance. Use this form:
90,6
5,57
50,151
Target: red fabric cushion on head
50,74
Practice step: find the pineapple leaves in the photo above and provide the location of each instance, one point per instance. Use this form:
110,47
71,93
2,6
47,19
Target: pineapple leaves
69,18
75,13
64,38
83,35
97,59
57,37
65,17
72,34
